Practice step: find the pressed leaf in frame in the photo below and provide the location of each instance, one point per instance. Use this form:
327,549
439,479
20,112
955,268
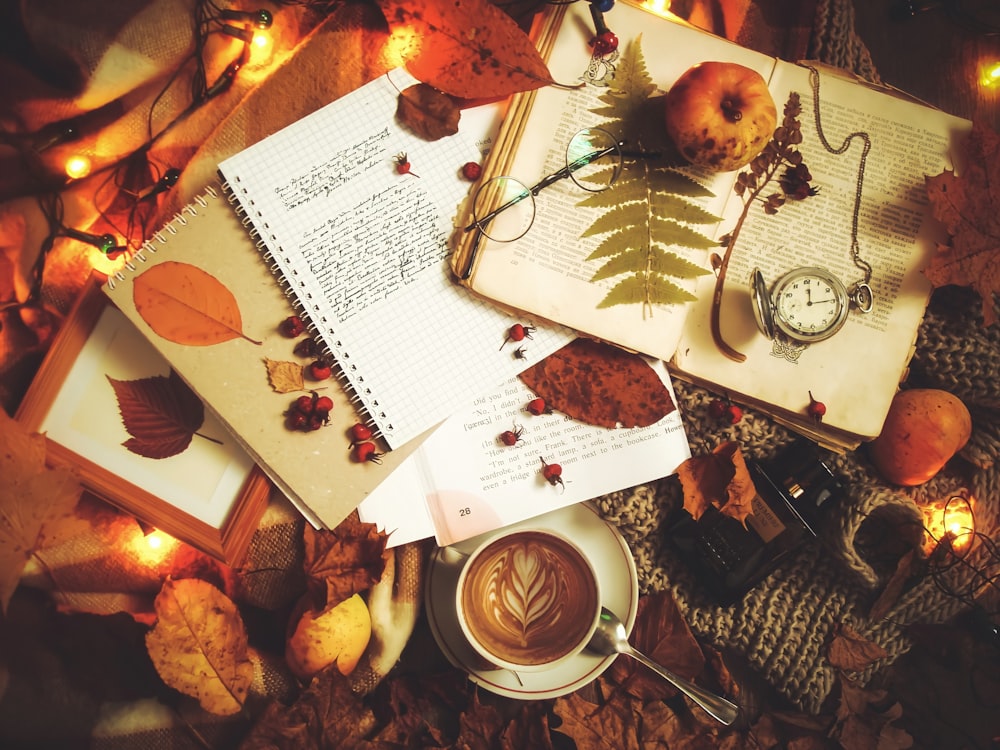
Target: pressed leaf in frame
187,305
160,413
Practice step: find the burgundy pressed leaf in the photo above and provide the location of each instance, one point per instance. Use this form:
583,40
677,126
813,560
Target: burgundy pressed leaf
161,413
601,385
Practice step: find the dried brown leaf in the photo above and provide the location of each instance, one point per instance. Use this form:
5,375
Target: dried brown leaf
284,377
905,568
600,384
343,562
199,645
428,112
162,414
466,48
35,501
969,208
608,727
850,651
719,479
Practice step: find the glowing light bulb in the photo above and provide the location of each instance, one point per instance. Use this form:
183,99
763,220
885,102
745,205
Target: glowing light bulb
659,7
262,47
989,75
77,167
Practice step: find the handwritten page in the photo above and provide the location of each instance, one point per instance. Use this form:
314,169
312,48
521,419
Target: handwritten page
463,480
362,248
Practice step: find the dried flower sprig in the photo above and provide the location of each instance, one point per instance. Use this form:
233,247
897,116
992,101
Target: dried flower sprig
780,153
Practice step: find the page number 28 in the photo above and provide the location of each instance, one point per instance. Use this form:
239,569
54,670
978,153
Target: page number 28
463,512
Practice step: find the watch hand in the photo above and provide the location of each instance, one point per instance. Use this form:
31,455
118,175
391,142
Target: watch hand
821,301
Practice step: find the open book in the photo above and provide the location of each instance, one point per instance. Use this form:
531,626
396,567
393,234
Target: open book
855,373
463,480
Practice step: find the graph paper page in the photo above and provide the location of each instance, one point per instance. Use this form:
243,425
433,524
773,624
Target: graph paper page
361,248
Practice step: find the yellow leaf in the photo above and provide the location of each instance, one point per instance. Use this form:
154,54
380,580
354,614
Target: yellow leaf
199,645
34,501
284,377
187,305
338,635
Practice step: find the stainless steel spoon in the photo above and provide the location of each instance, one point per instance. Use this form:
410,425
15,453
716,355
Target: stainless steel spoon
611,638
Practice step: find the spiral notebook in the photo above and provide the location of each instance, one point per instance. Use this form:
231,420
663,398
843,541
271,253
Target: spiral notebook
313,469
361,247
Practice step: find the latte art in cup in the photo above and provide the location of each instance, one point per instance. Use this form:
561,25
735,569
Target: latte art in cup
528,599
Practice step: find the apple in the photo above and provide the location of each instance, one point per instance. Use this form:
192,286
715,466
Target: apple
340,634
720,115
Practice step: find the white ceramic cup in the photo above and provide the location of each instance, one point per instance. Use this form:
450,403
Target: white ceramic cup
528,599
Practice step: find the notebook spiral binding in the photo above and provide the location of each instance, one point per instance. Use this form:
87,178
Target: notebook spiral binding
325,350
170,227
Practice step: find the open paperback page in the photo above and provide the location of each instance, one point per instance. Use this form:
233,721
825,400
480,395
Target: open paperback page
472,482
361,246
856,372
547,272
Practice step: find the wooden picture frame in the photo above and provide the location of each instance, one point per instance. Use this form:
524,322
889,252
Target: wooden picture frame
210,495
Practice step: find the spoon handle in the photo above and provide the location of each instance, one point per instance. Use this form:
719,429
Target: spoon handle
715,705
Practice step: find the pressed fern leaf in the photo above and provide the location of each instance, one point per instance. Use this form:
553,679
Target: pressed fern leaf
649,209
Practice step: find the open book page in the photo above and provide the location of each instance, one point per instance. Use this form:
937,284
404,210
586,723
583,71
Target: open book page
362,245
547,272
856,372
473,483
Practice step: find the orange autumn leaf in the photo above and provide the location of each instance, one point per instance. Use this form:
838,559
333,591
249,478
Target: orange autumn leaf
186,305
969,207
466,48
720,480
851,651
199,645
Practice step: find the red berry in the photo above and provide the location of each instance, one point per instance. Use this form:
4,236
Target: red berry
518,332
718,408
306,348
538,406
816,409
319,370
511,437
360,432
604,43
471,171
296,421
402,164
324,404
735,414
305,405
367,452
552,473
292,326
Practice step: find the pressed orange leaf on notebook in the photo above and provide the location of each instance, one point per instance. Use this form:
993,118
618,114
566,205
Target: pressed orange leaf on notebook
186,305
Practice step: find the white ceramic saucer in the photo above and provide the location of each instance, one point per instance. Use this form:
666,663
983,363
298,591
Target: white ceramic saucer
619,587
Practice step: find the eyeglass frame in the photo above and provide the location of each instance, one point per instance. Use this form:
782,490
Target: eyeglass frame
534,190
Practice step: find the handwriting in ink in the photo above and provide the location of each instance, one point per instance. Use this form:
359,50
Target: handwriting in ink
325,177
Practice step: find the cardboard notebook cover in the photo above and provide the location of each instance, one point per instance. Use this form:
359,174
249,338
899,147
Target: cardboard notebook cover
314,469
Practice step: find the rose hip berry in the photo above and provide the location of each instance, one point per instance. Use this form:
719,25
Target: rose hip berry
367,452
552,473
816,409
537,406
518,332
725,410
360,433
306,348
403,164
512,437
604,43
292,326
471,171
319,370
309,413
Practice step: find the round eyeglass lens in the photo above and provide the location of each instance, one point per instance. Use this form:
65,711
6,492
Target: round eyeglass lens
594,159
503,209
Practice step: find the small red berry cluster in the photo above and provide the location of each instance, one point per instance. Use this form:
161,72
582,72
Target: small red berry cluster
293,327
361,443
536,406
309,413
724,410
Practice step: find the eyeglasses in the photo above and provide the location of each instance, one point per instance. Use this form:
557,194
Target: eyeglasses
593,163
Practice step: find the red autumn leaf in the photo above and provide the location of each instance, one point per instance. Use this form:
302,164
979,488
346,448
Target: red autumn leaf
186,305
343,562
719,479
162,414
466,48
969,207
850,651
427,112
601,385
662,633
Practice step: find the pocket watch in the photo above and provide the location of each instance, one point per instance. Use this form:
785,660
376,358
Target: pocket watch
807,304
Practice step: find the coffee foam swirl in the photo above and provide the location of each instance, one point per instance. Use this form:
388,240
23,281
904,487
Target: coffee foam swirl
529,599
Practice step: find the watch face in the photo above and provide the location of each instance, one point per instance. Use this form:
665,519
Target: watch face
810,304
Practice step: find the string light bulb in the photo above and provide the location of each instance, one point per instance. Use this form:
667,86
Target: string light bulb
989,75
77,167
261,19
106,243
